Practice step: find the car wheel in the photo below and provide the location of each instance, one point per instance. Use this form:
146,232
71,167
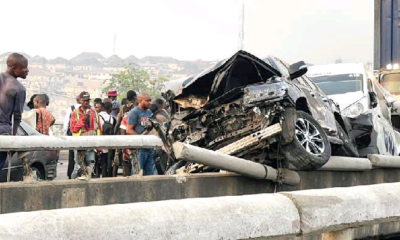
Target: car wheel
349,147
39,173
310,148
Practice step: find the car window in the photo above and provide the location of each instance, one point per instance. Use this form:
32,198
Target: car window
28,129
21,132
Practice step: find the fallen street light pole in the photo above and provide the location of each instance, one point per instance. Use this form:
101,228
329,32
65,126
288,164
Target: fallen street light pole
229,163
44,143
384,161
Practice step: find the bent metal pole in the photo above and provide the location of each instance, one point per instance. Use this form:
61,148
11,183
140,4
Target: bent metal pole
232,164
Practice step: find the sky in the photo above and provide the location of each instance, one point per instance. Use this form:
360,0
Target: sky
317,31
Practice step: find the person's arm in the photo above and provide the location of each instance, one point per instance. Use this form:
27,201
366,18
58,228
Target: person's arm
67,119
18,109
76,125
131,122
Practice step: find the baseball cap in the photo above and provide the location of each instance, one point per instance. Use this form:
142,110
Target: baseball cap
84,96
115,104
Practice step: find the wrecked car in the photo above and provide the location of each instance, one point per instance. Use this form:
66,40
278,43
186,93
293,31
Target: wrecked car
260,110
361,98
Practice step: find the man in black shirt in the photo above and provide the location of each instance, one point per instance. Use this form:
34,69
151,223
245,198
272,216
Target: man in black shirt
12,97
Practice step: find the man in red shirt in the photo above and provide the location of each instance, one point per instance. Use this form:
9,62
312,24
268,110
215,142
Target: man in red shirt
85,122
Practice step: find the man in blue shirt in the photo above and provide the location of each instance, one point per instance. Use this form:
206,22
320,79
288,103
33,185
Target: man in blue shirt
136,125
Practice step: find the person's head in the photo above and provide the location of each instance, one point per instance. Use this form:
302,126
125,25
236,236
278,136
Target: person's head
154,108
124,101
160,102
131,96
39,101
47,99
106,100
30,104
112,94
99,107
144,100
85,99
108,107
97,100
115,106
17,66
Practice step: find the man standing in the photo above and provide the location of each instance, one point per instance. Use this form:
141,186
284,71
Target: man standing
120,129
137,122
84,122
67,132
12,97
107,125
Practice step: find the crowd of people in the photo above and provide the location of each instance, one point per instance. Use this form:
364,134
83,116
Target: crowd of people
85,118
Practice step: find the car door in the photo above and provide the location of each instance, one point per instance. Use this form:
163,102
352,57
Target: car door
319,110
16,164
388,140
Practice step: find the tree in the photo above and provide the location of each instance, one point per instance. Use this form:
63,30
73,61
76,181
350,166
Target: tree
137,79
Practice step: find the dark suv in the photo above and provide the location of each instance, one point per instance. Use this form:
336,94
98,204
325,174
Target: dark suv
245,95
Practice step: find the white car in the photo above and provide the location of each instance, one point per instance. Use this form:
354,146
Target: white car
363,99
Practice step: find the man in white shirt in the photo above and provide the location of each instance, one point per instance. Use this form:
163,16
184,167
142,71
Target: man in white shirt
71,155
107,123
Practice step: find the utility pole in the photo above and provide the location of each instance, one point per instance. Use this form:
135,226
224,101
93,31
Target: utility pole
114,43
241,26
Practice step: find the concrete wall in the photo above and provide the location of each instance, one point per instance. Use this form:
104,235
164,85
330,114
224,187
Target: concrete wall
21,196
332,213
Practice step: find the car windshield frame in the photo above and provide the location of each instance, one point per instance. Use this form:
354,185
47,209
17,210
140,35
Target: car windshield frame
334,83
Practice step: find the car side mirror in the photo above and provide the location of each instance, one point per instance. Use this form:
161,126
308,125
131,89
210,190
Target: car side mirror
373,99
297,69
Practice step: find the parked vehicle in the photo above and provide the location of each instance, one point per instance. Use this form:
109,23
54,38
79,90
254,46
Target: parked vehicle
43,162
363,99
243,95
390,80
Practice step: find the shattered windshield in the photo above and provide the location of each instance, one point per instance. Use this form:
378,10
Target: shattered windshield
340,83
391,82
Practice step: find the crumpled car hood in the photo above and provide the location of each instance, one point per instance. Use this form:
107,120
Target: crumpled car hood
238,71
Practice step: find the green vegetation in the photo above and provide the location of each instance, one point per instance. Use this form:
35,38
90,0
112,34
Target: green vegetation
137,79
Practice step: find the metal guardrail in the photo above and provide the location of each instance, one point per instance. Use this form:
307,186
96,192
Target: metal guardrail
40,143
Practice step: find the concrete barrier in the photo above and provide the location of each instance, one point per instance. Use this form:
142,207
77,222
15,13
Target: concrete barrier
283,215
241,217
46,195
335,209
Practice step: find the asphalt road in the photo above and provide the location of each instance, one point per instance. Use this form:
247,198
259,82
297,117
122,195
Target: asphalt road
62,166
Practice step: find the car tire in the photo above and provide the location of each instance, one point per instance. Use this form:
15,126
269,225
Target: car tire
310,148
349,147
40,175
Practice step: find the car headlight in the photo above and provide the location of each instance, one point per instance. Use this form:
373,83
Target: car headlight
354,110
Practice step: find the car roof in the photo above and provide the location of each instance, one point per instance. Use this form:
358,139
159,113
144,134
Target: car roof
334,69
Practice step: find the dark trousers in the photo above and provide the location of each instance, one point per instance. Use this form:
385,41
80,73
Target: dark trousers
71,163
105,170
3,158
